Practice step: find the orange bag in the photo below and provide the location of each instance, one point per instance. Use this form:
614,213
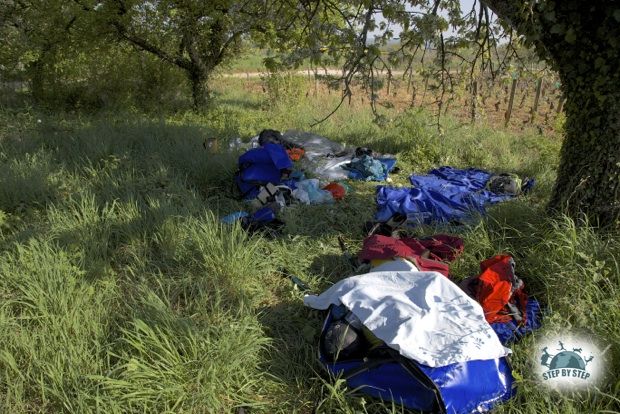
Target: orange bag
337,190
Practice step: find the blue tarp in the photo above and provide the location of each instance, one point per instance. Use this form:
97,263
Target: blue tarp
445,195
264,215
509,332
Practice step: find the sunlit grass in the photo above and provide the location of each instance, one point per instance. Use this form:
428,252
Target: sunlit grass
122,292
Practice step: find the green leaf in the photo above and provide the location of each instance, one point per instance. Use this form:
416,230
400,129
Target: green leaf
570,36
617,15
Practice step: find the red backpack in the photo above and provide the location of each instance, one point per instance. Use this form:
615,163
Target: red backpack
500,292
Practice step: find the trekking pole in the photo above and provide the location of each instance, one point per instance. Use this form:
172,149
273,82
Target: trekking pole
352,260
301,285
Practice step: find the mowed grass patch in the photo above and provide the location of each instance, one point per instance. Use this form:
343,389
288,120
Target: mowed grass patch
122,291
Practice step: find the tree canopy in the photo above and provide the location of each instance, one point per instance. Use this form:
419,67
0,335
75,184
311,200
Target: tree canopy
580,40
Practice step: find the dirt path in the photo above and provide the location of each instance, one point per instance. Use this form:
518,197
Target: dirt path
332,72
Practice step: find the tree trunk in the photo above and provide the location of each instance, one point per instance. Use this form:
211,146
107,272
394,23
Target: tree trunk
589,172
580,39
200,89
36,80
37,73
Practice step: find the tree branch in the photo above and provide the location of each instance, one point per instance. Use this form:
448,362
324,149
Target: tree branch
144,44
148,47
514,12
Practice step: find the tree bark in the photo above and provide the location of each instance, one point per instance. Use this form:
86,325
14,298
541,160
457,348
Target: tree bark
589,172
38,70
580,39
36,80
587,56
200,90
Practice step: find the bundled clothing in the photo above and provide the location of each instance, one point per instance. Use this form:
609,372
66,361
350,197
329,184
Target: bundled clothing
405,333
264,179
309,192
441,247
427,254
444,195
500,292
338,190
367,168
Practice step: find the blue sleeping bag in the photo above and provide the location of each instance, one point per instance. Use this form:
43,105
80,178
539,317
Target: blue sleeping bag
460,388
444,195
260,166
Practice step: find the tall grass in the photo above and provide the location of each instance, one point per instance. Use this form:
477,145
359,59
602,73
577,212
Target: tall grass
122,291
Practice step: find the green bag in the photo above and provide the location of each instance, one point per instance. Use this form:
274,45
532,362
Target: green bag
505,184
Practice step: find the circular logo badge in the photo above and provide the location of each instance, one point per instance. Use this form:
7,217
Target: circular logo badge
569,362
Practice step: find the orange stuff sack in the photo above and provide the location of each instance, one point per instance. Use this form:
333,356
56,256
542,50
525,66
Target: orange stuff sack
337,190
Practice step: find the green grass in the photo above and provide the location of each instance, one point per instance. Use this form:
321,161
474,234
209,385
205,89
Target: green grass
122,292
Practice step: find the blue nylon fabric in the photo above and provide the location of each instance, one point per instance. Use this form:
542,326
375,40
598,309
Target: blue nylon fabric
250,190
264,173
473,386
261,166
231,218
470,387
254,156
509,332
270,154
264,215
391,382
278,156
445,194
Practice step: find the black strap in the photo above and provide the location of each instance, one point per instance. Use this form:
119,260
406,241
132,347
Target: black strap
418,374
414,370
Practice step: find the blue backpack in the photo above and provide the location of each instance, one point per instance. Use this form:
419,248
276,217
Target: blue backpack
260,166
381,372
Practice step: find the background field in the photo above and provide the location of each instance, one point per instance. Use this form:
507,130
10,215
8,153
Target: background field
122,292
